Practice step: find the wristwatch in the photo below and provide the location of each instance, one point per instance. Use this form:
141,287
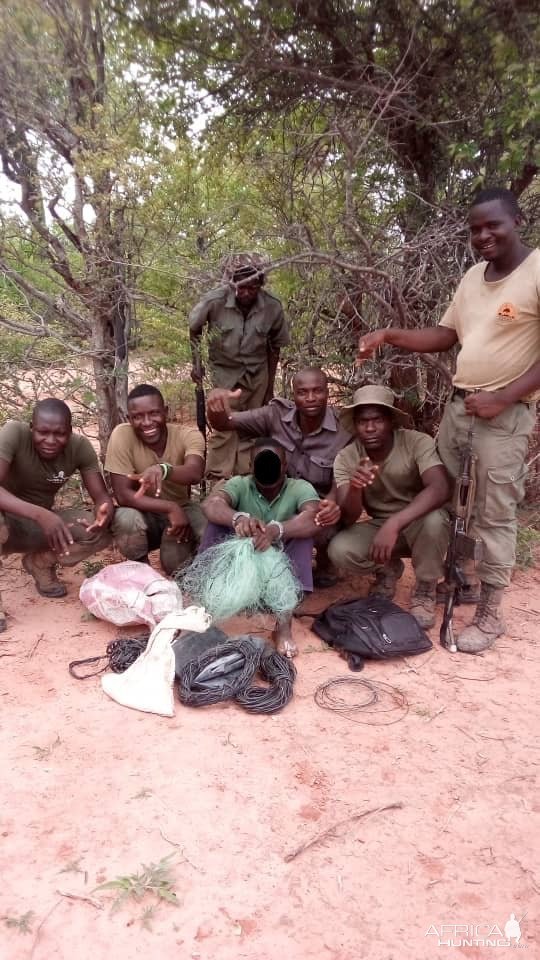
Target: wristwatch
238,516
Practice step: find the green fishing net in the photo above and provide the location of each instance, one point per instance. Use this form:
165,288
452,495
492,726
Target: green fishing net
232,577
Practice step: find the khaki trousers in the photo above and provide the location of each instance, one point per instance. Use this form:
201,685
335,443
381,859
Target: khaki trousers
135,537
425,540
228,454
19,535
501,447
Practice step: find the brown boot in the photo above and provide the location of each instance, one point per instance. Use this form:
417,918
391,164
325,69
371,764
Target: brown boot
487,623
386,579
42,567
424,603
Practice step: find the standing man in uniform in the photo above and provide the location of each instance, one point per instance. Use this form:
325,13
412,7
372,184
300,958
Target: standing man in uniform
246,331
495,317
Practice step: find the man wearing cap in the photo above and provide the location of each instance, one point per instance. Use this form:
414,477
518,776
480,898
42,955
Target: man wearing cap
396,476
246,330
495,318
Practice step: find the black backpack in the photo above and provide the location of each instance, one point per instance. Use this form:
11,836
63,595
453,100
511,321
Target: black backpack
371,628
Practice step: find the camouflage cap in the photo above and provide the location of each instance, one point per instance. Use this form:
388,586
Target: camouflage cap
239,266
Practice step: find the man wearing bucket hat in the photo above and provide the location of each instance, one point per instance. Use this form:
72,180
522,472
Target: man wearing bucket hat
246,331
396,476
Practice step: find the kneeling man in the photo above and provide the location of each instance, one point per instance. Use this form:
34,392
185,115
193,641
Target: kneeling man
36,460
273,509
396,476
152,464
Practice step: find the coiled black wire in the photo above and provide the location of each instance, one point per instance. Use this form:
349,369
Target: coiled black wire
280,674
119,655
197,695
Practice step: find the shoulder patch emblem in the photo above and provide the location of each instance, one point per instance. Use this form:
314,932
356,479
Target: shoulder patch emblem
507,311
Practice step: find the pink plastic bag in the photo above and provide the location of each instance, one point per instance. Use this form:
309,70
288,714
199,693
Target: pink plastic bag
130,592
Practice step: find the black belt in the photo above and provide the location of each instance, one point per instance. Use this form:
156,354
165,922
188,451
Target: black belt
460,392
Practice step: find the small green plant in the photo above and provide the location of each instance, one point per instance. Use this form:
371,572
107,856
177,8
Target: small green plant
23,923
527,546
91,567
154,878
146,917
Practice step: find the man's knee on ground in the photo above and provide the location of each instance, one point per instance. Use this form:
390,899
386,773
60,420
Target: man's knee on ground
345,550
130,532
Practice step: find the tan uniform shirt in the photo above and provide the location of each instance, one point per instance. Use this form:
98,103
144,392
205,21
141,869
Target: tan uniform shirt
35,480
127,454
497,324
399,478
237,344
309,456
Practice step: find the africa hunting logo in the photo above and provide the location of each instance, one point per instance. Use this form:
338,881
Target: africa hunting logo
478,934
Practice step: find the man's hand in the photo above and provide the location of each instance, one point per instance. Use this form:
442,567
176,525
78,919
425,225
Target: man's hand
485,404
197,373
102,519
328,514
266,536
369,343
58,534
248,527
384,542
219,400
149,481
365,474
179,525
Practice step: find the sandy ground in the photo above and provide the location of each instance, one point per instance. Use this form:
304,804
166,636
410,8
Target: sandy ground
91,791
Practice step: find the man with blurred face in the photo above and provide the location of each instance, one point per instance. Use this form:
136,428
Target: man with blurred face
152,464
36,460
396,477
246,331
495,317
272,509
312,435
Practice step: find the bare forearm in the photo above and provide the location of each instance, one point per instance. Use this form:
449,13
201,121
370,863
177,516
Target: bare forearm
430,498
352,505
186,475
300,527
21,508
528,383
426,340
217,511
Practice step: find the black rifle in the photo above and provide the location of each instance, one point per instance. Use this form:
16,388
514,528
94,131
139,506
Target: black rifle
462,546
200,414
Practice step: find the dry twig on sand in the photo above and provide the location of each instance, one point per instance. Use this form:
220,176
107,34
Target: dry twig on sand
321,837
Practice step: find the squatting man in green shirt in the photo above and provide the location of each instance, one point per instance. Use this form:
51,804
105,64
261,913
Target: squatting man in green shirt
36,460
273,509
396,476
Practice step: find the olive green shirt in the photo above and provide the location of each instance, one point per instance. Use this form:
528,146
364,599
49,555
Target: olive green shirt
238,343
244,495
35,480
399,478
127,454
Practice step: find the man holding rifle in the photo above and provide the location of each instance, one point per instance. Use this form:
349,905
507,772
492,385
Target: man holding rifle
495,317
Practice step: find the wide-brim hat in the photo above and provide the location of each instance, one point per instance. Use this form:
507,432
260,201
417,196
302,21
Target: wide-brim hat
372,395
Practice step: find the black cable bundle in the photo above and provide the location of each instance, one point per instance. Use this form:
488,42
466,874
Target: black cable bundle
197,688
120,654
